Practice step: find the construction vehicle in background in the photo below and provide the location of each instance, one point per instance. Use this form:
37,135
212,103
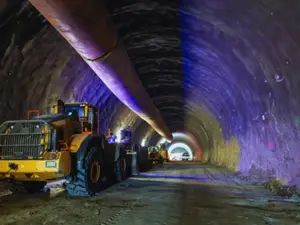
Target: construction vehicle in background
158,154
126,142
111,138
66,144
131,149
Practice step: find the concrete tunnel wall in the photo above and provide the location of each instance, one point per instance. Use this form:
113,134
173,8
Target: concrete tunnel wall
225,71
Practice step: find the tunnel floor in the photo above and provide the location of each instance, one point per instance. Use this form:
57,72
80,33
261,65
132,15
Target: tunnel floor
169,194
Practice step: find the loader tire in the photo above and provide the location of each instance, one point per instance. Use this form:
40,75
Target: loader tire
89,179
29,187
135,171
121,164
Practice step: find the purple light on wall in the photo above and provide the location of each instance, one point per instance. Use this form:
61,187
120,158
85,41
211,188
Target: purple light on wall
226,68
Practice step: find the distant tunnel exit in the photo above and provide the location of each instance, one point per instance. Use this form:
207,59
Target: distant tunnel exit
184,146
180,151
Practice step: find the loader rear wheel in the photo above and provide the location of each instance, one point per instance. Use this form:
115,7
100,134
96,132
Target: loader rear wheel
95,171
90,178
135,171
29,187
121,169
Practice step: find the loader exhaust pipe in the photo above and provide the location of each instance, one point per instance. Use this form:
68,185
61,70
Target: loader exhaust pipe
87,26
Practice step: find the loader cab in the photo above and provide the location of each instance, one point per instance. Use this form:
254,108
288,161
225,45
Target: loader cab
87,114
126,136
110,137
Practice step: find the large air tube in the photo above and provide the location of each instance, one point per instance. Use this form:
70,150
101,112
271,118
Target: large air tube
87,26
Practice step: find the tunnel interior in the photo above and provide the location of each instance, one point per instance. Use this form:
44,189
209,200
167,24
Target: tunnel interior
224,72
177,151
182,143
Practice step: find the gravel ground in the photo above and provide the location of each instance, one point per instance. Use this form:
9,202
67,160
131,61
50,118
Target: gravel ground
170,194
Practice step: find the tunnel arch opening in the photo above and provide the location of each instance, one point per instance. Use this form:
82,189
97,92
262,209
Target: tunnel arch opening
181,149
184,140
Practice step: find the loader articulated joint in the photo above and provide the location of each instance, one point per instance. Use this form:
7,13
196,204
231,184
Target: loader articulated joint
73,172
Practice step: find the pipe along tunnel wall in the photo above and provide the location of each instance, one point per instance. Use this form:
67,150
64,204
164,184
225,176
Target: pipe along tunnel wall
225,71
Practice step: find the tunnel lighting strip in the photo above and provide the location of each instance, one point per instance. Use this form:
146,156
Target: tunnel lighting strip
119,136
181,145
143,142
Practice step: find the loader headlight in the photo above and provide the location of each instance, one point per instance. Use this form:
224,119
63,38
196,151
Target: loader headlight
53,156
50,164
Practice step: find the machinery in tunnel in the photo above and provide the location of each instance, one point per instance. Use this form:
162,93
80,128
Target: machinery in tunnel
184,147
123,136
180,151
111,137
104,54
66,144
222,74
158,154
229,74
125,140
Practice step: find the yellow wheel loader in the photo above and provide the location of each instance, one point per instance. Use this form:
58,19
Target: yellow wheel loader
66,144
158,154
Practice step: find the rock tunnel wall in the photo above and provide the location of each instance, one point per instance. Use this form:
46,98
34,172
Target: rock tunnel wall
38,67
243,57
224,70
239,67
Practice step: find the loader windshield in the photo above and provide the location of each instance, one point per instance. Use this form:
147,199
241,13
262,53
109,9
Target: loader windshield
80,110
86,114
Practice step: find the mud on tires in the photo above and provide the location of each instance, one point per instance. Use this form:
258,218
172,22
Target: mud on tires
89,177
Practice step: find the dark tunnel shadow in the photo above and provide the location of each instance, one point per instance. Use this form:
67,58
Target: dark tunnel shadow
196,203
193,202
12,203
16,202
200,178
158,67
25,25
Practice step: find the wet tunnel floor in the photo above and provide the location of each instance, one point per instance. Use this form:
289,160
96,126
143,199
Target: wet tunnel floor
170,194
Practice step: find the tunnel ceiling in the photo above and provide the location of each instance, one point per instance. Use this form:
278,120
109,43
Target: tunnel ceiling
212,67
